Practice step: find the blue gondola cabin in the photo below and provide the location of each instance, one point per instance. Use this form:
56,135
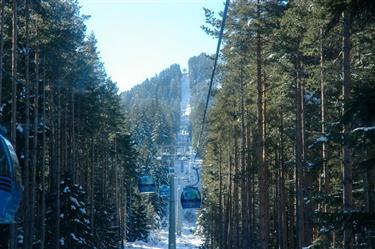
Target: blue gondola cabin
164,190
10,182
191,197
146,184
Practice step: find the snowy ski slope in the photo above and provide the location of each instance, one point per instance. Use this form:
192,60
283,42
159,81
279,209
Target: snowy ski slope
186,219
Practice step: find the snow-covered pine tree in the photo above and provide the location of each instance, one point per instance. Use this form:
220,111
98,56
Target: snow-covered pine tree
75,230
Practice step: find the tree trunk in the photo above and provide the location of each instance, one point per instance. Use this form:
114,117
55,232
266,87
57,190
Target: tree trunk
14,75
65,135
116,187
72,163
236,200
277,200
292,212
250,182
299,158
94,161
221,213
53,144
43,166
212,225
324,182
228,207
243,178
231,201
346,162
58,167
13,229
27,204
307,177
371,201
35,141
262,171
282,198
325,186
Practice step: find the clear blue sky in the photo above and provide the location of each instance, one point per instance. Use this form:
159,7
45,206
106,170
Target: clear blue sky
139,38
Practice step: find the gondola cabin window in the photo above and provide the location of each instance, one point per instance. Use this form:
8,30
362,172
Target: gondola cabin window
146,184
15,170
4,169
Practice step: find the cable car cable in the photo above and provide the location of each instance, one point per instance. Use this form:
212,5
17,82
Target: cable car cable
197,182
214,69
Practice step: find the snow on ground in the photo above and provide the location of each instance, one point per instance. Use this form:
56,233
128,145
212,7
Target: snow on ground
159,240
188,239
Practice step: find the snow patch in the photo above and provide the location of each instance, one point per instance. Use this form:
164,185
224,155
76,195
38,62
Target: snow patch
66,190
75,202
77,221
308,247
19,128
364,129
310,97
271,56
79,240
320,140
20,239
83,210
309,165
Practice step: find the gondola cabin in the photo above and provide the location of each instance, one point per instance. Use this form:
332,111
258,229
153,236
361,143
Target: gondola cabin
10,182
146,184
164,190
191,197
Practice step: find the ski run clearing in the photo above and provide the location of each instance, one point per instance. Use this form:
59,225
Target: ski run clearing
158,239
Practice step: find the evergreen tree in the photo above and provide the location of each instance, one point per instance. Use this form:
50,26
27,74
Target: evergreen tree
138,228
301,96
75,227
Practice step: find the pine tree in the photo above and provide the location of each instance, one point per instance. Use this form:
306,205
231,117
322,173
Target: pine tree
137,224
75,222
301,68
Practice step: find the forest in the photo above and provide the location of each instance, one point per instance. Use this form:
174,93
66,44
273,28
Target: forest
288,146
